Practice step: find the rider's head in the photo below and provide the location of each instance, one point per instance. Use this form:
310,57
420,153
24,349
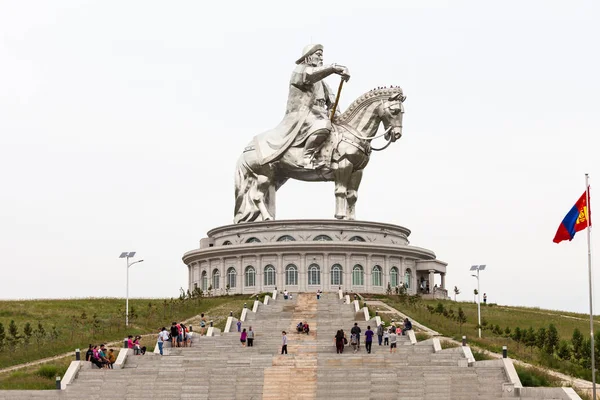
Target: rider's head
312,55
315,59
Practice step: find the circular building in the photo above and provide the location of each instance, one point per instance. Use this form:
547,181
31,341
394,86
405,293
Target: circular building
308,255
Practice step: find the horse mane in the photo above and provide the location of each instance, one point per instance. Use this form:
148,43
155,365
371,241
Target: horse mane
366,99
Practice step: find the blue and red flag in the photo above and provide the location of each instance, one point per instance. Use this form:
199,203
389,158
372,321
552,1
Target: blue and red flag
576,219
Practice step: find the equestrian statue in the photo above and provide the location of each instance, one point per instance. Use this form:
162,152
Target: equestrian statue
314,142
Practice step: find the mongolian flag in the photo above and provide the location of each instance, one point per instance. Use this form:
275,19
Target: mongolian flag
576,220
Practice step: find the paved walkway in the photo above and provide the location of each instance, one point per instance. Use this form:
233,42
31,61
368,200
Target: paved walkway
380,304
568,380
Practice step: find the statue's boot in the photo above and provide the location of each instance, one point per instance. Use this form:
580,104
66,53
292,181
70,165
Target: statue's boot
313,144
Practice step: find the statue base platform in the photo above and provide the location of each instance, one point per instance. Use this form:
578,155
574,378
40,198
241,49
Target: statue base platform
311,255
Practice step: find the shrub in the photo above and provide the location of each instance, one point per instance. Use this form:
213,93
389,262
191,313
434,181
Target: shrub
534,377
48,371
447,344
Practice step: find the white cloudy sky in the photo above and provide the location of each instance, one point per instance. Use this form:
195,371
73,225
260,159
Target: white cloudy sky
120,125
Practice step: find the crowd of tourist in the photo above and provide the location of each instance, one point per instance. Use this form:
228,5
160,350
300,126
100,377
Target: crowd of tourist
100,356
385,337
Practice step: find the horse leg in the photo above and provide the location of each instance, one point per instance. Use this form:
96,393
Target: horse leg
263,186
342,176
352,194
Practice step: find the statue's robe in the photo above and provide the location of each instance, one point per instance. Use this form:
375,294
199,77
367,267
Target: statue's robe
306,112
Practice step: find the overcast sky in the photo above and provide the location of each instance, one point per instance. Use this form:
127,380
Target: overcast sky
120,125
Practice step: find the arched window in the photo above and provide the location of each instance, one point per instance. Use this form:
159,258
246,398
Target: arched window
357,239
336,274
231,277
407,280
204,281
314,274
269,275
322,238
358,275
291,275
215,279
253,240
394,277
226,243
286,238
376,276
250,276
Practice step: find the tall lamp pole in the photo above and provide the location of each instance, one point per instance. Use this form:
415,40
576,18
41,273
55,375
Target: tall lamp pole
128,255
478,268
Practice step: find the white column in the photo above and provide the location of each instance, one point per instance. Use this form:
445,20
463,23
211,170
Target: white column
347,274
302,273
280,268
443,276
325,271
368,271
431,280
240,276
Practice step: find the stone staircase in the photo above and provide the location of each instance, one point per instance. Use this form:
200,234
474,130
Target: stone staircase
220,368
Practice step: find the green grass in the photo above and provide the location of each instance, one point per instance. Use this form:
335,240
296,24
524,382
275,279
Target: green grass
38,377
67,327
504,316
534,377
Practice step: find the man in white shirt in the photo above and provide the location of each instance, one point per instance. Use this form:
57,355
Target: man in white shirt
163,336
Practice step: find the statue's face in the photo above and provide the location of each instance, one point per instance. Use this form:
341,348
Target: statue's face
316,58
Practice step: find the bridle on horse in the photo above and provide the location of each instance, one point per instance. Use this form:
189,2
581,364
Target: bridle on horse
375,137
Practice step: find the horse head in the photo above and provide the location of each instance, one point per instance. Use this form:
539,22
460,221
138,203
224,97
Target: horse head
391,113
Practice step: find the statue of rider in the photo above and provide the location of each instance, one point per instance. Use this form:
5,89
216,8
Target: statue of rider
307,117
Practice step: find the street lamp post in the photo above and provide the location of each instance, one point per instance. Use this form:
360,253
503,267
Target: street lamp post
128,255
478,268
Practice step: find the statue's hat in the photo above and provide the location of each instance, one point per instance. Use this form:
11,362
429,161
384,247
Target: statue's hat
308,50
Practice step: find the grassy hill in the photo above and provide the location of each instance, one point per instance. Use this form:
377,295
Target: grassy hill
34,329
525,331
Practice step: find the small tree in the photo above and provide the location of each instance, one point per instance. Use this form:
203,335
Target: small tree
2,337
564,351
40,334
461,318
96,323
456,292
27,332
517,335
552,340
577,343
507,332
530,338
14,337
227,288
541,338
388,291
132,314
439,309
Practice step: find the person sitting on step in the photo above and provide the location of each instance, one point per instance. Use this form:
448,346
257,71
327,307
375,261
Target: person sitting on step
305,327
300,327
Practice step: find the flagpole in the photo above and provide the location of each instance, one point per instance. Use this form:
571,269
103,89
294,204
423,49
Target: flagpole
587,218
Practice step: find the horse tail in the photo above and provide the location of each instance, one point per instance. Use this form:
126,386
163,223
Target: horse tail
244,210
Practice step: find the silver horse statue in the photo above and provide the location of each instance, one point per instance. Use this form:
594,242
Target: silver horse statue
345,154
